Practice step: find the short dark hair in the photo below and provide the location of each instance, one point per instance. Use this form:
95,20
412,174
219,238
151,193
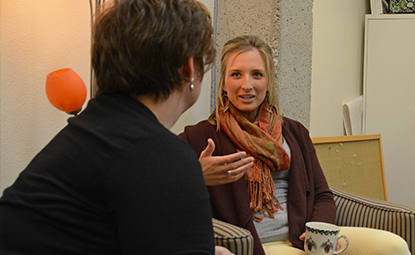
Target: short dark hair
139,45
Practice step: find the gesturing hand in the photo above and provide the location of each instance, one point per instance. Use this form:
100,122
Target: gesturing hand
223,169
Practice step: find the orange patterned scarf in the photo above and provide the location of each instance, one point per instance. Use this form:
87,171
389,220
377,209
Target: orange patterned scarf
262,140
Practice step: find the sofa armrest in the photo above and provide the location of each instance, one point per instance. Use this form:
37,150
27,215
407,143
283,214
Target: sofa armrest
237,240
359,211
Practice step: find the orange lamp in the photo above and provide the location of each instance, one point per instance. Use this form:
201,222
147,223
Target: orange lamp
66,90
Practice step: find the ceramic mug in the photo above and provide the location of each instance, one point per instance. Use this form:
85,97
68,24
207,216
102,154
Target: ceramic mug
321,238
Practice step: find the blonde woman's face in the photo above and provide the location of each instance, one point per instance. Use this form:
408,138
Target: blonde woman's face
246,82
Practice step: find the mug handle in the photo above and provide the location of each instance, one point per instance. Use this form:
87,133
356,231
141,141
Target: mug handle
347,244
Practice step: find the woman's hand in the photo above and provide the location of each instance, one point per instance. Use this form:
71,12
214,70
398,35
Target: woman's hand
223,169
338,245
219,250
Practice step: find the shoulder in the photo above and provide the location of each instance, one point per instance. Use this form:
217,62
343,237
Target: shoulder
166,143
162,158
295,131
203,126
194,133
294,127
292,124
197,136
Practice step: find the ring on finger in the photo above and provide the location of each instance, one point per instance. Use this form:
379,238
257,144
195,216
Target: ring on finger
229,173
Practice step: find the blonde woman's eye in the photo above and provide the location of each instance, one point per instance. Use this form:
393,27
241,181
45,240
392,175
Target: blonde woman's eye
257,74
235,74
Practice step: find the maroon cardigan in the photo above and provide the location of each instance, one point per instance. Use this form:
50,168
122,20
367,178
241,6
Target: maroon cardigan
309,197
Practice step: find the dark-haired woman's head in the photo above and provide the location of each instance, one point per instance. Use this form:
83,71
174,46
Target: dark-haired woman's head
139,45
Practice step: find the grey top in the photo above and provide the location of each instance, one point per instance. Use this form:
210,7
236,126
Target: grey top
276,229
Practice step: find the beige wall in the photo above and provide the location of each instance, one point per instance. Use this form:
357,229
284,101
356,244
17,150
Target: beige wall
337,75
37,37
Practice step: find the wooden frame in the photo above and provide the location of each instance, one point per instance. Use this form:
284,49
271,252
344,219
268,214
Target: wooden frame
353,164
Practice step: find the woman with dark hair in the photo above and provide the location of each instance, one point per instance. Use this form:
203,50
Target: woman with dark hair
115,180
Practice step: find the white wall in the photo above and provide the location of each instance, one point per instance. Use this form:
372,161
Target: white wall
390,91
37,37
337,75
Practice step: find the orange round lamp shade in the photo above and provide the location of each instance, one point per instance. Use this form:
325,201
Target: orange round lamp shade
66,90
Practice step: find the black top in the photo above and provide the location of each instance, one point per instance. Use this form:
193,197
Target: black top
113,181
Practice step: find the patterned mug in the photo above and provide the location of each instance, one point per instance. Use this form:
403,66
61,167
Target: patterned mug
321,238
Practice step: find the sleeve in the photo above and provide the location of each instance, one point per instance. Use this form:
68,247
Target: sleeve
312,199
158,199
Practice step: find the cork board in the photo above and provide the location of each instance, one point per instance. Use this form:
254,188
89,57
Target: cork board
353,164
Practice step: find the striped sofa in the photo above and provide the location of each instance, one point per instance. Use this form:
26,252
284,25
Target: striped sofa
352,210
237,240
359,211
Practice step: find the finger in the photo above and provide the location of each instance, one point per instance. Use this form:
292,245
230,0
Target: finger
302,237
236,170
234,176
243,162
338,245
231,158
208,151
241,165
241,171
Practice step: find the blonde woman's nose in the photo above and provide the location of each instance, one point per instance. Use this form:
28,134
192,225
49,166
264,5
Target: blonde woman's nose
247,84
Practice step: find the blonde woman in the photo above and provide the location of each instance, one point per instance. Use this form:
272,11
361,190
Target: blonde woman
261,168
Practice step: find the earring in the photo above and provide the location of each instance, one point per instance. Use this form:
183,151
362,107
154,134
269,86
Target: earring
191,84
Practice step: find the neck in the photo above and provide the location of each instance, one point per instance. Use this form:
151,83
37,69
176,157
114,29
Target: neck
167,111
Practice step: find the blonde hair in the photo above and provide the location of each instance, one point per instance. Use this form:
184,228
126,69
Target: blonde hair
239,45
